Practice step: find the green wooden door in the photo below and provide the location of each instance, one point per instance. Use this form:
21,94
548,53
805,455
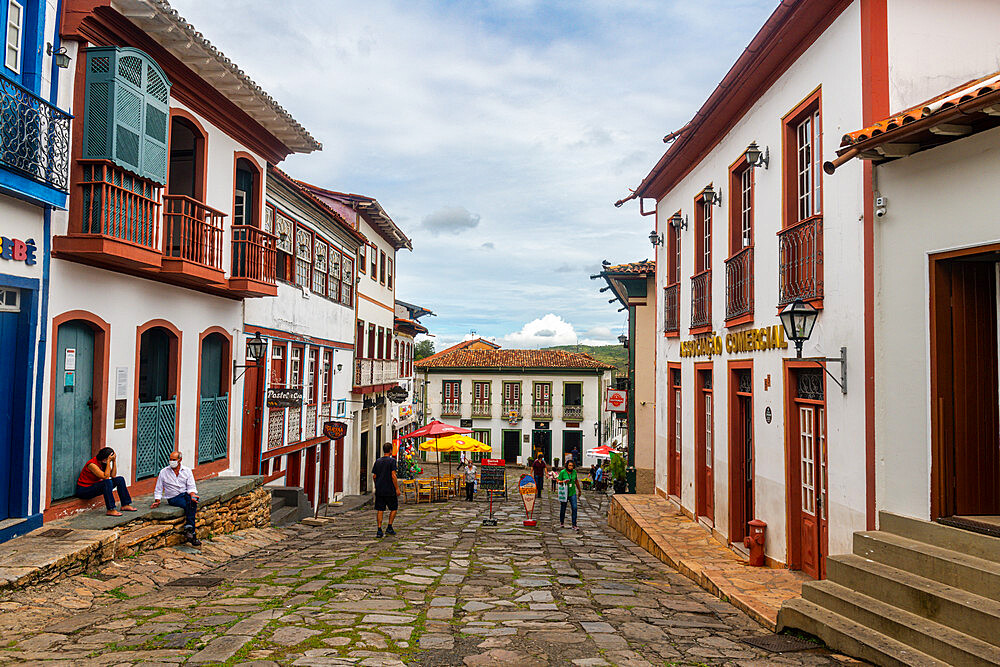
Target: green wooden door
213,409
157,410
72,434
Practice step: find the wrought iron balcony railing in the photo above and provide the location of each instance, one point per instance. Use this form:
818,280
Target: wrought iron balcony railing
701,299
512,411
192,231
671,308
739,284
481,409
34,136
572,413
800,261
541,411
451,409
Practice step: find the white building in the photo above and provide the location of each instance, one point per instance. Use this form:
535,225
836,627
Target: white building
375,370
518,401
745,431
407,327
162,243
309,326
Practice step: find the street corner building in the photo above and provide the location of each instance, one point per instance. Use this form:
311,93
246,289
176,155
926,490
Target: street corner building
520,402
826,174
164,240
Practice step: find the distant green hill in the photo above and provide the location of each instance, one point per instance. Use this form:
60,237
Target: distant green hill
612,354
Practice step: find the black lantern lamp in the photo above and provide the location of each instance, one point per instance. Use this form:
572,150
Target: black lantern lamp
256,349
755,157
655,239
677,221
798,319
59,56
623,339
711,196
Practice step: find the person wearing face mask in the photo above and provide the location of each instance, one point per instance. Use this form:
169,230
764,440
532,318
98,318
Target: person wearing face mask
176,484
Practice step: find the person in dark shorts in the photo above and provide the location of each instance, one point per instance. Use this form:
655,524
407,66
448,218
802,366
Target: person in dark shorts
538,468
386,489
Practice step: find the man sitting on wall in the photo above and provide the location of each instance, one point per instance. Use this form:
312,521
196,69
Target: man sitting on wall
176,482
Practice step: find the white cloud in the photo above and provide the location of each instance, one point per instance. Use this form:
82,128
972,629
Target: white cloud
545,331
450,220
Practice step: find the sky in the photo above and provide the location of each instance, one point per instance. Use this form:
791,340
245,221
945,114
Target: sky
496,133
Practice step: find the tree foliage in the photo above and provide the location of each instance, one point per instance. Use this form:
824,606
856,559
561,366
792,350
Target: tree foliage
423,349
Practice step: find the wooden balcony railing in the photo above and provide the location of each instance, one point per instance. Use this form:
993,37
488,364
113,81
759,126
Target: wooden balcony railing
800,261
739,284
372,372
701,299
572,413
671,308
541,411
481,409
254,254
192,231
118,204
451,409
512,410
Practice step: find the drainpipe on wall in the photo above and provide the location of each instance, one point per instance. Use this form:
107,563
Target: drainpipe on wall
630,469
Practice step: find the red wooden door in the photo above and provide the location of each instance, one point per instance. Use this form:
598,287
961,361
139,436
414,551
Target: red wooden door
338,466
709,456
674,463
704,447
813,528
253,416
310,478
324,473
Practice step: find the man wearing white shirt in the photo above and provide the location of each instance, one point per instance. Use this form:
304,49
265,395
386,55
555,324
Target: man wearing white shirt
176,484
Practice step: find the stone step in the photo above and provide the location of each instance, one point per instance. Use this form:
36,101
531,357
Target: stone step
934,639
963,611
850,637
947,566
284,516
955,539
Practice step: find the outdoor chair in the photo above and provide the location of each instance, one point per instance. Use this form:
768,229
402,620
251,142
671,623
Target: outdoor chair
425,490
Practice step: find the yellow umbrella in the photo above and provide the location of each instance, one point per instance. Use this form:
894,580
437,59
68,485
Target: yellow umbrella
436,445
463,443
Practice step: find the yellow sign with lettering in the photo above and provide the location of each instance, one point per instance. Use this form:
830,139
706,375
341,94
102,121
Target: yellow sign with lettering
750,340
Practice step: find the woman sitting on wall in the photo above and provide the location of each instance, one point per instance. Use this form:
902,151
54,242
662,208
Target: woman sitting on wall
99,475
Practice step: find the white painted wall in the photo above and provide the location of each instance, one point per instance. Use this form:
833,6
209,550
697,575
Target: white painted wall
935,46
937,202
832,62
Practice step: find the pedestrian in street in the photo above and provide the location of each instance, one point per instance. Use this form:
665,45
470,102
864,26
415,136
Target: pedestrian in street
470,480
386,489
176,483
577,461
568,477
100,475
538,470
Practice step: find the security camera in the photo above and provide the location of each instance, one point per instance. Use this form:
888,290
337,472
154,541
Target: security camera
881,205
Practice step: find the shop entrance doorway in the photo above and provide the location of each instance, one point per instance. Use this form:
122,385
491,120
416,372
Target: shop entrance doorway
511,445
965,480
805,388
741,450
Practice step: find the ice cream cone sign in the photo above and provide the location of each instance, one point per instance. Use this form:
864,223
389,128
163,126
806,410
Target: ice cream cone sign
528,492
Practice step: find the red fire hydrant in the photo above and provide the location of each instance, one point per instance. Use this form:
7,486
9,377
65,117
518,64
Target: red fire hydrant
755,542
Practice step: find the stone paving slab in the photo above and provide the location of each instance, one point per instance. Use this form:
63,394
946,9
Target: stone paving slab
658,526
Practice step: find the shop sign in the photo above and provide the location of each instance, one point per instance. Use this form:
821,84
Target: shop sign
334,430
406,411
16,250
749,340
284,398
618,399
397,394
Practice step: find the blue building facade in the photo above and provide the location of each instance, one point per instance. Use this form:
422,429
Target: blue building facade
34,180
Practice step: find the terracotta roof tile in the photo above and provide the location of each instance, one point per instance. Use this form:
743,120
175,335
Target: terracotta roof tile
644,267
963,93
500,358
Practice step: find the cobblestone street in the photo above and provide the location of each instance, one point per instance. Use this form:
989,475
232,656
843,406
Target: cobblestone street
444,591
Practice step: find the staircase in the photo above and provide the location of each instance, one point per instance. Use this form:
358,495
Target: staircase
289,504
912,593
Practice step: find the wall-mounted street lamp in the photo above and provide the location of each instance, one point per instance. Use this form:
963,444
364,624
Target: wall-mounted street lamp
678,222
756,158
710,196
256,349
655,239
623,339
59,56
798,319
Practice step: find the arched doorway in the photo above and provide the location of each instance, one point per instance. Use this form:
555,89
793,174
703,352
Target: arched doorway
157,400
74,406
213,402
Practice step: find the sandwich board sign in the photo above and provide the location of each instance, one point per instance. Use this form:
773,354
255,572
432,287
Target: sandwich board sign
528,493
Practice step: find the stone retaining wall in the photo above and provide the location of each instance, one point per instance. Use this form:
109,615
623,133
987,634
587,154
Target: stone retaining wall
249,510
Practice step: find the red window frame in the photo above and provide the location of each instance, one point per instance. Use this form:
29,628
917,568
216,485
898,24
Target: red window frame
361,258
702,234
809,109
381,262
313,375
674,253
278,353
327,396
373,253
389,275
359,340
372,350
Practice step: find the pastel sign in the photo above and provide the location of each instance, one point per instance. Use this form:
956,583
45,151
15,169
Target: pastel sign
15,250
